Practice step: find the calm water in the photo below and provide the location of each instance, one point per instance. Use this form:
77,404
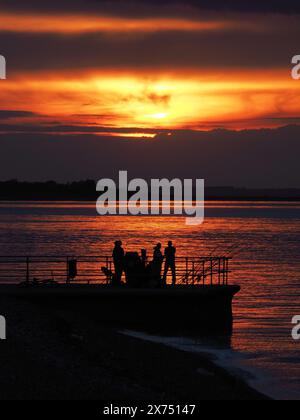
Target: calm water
264,239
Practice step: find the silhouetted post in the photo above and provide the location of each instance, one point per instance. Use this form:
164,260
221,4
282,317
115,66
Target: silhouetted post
203,271
227,270
27,271
68,279
144,257
193,272
219,271
109,264
187,269
211,272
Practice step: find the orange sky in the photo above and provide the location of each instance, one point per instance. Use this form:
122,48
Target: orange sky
202,97
72,23
155,100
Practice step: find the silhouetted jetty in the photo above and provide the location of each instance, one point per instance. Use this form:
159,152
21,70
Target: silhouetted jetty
200,301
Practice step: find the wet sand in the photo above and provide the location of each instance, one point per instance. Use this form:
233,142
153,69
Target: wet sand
60,352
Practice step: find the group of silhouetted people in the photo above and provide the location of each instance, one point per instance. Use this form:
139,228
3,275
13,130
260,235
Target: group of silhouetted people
169,257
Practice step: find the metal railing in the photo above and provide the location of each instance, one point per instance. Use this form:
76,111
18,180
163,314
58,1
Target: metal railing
47,269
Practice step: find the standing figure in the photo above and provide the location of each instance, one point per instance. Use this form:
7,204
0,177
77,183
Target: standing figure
118,256
157,263
170,255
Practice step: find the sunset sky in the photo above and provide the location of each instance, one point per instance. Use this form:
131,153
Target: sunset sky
145,68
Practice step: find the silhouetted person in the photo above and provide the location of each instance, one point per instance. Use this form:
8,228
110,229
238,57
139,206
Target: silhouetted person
118,256
157,254
170,255
157,263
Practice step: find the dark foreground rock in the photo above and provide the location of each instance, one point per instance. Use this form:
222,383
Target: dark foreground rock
58,352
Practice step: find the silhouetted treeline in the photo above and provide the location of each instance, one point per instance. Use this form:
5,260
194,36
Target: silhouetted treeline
15,190
86,191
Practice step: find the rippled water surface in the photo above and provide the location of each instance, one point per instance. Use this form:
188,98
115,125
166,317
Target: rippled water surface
263,238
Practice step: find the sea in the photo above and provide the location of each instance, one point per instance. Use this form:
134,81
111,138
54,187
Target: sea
263,239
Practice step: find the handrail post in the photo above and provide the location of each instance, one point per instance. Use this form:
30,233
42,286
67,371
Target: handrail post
211,272
27,271
67,272
227,270
108,268
187,270
193,272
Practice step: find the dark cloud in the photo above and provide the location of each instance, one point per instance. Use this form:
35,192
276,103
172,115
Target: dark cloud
152,7
5,114
53,127
271,44
164,50
277,6
251,158
100,126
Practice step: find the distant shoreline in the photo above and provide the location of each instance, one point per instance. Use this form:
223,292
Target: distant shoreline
86,191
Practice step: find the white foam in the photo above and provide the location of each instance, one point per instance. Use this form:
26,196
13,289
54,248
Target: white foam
237,364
